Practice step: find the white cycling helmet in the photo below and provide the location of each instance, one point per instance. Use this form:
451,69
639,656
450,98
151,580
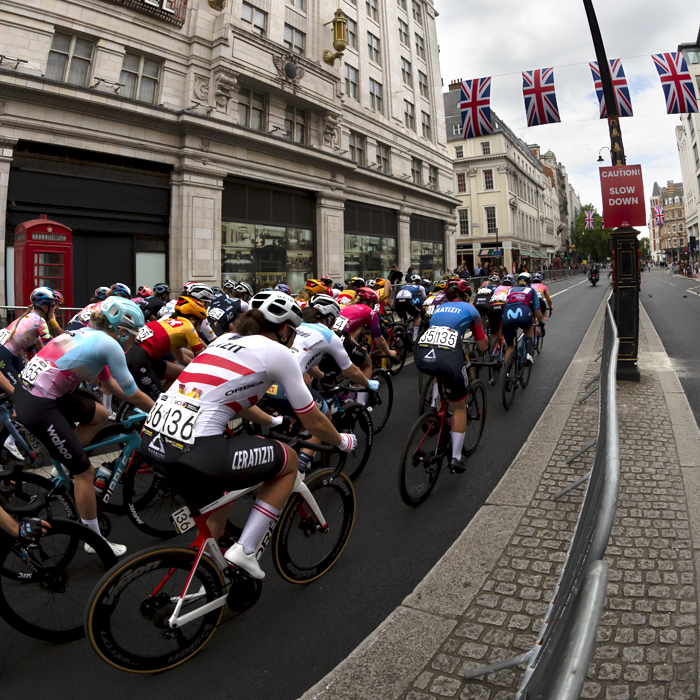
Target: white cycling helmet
277,307
244,288
198,291
325,305
524,276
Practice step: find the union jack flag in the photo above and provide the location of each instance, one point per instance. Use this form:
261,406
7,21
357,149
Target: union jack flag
589,222
677,82
475,107
540,98
659,215
622,91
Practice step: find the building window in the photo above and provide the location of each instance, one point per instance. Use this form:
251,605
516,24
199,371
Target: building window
417,171
69,59
673,228
403,32
352,33
420,47
695,153
425,119
375,95
485,148
680,228
423,84
352,78
456,129
295,124
409,115
402,4
406,74
140,78
251,109
417,16
256,18
383,153
488,179
433,178
490,219
357,148
297,3
459,152
692,127
461,182
693,56
373,48
294,40
372,9
464,222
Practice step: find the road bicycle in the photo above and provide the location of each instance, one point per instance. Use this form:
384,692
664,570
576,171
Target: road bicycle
159,607
516,372
429,445
538,342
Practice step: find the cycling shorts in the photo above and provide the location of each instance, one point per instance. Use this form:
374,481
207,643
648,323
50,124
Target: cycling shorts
51,420
495,314
10,365
276,400
147,371
406,307
217,463
448,365
515,316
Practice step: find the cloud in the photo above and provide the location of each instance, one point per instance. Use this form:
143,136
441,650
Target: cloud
502,38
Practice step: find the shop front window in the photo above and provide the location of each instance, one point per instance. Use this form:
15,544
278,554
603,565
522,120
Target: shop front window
428,247
370,241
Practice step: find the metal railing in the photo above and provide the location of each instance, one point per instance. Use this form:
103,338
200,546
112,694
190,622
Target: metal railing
10,313
558,663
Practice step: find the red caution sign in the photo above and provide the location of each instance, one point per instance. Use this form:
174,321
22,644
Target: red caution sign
622,187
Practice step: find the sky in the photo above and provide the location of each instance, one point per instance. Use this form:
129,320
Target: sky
503,38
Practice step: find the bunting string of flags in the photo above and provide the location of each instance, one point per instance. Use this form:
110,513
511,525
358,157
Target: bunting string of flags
659,215
541,100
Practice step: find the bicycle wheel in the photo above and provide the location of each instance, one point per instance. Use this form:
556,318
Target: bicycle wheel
45,596
540,341
510,383
301,550
127,615
422,459
354,419
382,400
524,370
59,504
476,417
398,342
426,397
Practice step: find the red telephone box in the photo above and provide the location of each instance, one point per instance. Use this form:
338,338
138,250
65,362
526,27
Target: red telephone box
43,258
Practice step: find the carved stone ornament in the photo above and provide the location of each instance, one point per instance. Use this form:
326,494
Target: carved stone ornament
201,88
331,127
224,87
471,172
502,168
288,68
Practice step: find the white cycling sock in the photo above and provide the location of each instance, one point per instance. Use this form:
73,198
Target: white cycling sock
457,442
93,525
362,398
415,332
107,402
436,393
258,523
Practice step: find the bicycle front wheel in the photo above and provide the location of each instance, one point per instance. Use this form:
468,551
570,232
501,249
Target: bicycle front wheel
398,343
422,459
510,382
127,616
476,417
525,371
354,419
45,596
59,503
303,548
540,342
381,400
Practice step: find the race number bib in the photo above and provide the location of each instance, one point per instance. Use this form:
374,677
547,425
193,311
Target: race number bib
340,323
500,297
4,335
440,337
33,370
216,314
175,416
377,309
84,315
144,334
430,310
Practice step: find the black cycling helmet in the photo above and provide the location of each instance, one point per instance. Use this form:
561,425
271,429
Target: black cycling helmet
161,288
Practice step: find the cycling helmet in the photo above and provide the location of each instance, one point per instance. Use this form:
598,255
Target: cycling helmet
325,305
216,290
277,307
267,289
328,281
379,283
58,297
101,292
439,286
120,290
122,313
144,292
229,285
453,278
315,287
243,288
198,291
41,296
509,280
537,277
161,288
357,282
367,296
284,288
189,306
370,283
338,286
460,286
414,279
495,279
524,277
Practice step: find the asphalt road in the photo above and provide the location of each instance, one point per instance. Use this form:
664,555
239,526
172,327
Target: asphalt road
295,634
673,305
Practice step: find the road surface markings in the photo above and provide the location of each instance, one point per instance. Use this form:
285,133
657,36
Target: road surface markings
551,296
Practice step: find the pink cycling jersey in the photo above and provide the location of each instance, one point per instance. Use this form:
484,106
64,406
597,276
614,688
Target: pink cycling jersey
83,317
28,330
359,316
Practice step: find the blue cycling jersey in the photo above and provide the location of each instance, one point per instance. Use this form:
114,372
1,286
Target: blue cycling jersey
224,310
414,292
458,315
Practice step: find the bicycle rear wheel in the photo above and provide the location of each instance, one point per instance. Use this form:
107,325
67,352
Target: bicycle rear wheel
476,417
128,612
510,383
398,342
45,597
354,419
426,397
525,371
301,550
59,504
540,341
422,459
382,400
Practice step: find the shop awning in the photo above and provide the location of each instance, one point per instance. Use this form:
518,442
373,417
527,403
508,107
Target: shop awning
490,253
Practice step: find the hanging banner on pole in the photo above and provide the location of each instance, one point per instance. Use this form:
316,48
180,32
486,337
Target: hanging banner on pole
622,188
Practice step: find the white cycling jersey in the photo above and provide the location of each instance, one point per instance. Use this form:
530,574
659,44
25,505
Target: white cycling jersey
167,310
313,341
206,332
233,373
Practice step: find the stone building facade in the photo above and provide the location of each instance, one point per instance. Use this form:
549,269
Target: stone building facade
672,237
179,142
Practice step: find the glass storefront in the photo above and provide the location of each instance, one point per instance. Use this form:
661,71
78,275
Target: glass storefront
370,241
427,248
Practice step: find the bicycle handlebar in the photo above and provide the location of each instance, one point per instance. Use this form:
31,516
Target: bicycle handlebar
298,442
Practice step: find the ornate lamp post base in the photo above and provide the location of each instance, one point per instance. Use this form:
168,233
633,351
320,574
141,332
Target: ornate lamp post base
626,301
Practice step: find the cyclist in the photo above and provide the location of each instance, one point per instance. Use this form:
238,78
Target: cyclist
82,318
440,354
521,308
383,289
346,296
100,294
192,290
229,378
409,300
482,303
311,288
161,296
222,312
143,293
357,282
543,293
46,405
284,288
147,356
328,281
242,291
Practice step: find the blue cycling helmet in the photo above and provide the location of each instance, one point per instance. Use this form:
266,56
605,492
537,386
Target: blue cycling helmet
120,290
101,293
284,288
509,280
41,296
216,290
124,314
537,277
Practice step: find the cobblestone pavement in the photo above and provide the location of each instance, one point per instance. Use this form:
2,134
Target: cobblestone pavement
646,645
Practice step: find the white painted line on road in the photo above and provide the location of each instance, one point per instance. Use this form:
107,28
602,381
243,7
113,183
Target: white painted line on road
671,283
567,289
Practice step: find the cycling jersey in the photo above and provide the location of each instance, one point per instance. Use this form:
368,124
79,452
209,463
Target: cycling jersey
158,338
354,317
313,341
346,297
167,310
459,316
82,318
27,331
543,294
415,292
483,296
75,357
523,295
222,312
153,305
499,296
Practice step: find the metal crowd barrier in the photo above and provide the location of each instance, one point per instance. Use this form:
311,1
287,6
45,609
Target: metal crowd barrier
10,313
558,663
